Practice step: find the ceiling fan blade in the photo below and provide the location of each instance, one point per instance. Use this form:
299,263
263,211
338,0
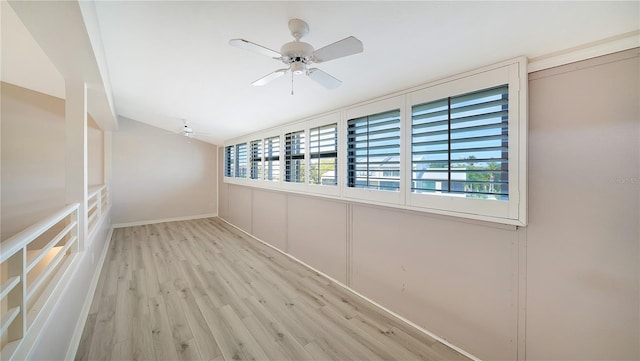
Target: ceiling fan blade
247,45
269,77
323,78
344,47
198,134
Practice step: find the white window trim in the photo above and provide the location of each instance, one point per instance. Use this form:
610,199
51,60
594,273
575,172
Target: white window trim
511,212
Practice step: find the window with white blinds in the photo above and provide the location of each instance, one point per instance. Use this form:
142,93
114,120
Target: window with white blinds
459,145
255,159
323,152
229,161
294,157
272,158
373,151
241,160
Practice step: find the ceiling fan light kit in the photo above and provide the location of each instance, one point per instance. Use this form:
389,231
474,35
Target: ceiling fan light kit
297,55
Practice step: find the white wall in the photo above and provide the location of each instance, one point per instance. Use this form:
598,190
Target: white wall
566,287
159,175
33,157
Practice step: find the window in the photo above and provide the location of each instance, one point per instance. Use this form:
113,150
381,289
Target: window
272,158
469,145
373,151
241,160
229,161
455,147
294,157
460,145
323,149
255,159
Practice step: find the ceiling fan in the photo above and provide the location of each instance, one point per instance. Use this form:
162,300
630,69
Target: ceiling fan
297,55
187,131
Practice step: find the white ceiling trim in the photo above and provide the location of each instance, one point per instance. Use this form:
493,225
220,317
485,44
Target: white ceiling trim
90,16
594,49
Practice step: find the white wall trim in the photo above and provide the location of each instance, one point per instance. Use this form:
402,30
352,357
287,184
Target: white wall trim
26,345
175,219
594,49
86,307
522,295
357,294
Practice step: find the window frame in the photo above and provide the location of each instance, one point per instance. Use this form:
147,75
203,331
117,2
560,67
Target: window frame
483,208
319,155
324,189
385,105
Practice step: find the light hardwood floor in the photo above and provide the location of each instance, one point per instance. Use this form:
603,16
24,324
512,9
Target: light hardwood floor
202,290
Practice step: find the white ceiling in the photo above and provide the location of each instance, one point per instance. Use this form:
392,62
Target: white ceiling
171,60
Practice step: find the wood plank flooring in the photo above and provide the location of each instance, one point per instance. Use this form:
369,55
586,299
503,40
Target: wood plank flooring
202,290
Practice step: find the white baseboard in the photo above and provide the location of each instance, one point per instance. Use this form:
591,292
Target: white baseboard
86,307
154,221
357,294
